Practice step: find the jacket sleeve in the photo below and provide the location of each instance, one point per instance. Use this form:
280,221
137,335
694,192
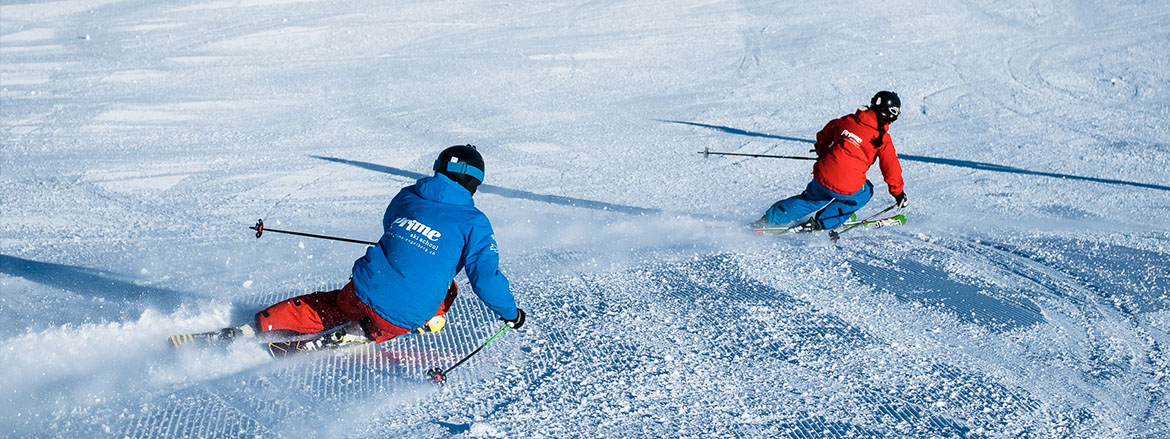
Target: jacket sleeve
825,138
891,168
482,264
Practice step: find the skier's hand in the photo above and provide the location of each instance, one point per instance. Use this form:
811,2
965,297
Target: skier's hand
518,321
901,200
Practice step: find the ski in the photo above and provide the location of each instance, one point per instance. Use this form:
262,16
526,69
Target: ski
277,346
896,220
212,338
334,339
281,349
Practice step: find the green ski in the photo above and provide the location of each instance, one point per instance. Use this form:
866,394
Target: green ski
896,220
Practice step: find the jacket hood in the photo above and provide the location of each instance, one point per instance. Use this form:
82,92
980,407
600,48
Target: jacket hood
442,189
868,117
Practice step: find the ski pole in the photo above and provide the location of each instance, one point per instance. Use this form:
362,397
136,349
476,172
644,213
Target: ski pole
260,229
833,234
438,375
706,152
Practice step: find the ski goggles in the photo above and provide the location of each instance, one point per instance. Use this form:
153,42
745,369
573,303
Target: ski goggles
460,168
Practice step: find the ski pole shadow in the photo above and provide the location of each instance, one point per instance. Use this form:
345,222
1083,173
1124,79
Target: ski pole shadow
508,192
1013,170
89,282
938,160
738,131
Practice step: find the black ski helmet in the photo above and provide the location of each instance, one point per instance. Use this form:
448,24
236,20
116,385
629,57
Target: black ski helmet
463,164
886,105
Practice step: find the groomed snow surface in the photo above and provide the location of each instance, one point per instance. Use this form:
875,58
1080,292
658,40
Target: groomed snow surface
1027,297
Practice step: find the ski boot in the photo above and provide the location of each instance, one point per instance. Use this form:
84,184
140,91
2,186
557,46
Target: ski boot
348,335
808,226
221,337
435,324
759,224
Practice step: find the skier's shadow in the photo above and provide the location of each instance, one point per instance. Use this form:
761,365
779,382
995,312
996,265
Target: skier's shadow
936,160
507,192
90,282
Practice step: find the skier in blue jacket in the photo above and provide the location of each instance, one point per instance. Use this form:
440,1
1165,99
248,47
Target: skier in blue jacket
431,231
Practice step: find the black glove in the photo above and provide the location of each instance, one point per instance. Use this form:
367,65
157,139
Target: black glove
901,200
518,321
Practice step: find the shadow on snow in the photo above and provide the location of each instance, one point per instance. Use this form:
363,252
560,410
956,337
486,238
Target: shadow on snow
509,193
913,281
936,160
89,282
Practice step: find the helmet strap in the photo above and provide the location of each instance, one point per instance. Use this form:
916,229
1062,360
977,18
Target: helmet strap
460,168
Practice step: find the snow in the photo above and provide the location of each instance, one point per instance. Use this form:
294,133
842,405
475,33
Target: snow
1029,295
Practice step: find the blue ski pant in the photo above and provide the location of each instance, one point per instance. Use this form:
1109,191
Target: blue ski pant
834,208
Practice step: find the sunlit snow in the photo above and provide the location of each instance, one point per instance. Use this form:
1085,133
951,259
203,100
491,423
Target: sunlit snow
1029,295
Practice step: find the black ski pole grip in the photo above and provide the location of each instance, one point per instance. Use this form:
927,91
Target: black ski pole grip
259,227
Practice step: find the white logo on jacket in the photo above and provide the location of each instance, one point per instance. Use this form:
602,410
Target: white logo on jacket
855,138
417,227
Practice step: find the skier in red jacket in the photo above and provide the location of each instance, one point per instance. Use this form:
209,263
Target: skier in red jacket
845,148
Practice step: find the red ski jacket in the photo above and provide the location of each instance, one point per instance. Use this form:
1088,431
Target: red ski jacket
848,146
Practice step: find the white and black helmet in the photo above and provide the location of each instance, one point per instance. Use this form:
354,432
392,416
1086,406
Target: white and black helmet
886,105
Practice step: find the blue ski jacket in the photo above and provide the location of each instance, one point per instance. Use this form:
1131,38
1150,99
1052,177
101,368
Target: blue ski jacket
431,231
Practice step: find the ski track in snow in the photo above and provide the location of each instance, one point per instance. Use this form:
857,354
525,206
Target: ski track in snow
1029,296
